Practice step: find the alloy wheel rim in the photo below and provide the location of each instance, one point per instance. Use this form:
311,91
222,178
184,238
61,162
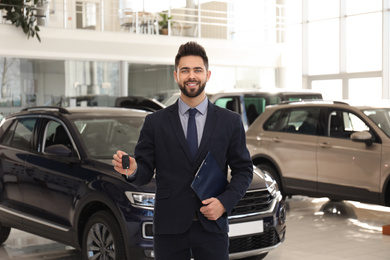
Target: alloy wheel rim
100,243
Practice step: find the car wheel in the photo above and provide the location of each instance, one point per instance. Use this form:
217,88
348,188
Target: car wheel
267,169
103,238
257,257
4,233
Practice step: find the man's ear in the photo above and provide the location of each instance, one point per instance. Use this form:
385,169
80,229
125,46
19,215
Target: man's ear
175,75
208,76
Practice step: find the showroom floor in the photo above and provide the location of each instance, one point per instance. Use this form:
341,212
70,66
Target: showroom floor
316,229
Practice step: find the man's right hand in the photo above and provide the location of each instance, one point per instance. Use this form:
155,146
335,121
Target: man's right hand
117,161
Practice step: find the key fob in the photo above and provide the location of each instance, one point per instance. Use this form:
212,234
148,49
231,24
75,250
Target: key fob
125,161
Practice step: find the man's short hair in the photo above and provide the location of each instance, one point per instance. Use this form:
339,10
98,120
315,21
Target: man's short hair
191,49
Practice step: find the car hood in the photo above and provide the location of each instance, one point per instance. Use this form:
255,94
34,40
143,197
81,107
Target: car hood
258,181
106,166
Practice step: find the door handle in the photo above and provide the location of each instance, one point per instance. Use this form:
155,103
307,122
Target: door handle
325,145
277,139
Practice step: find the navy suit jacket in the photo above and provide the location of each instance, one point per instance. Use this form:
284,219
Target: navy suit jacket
163,150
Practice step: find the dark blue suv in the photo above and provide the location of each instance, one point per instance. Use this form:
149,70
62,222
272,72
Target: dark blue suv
57,181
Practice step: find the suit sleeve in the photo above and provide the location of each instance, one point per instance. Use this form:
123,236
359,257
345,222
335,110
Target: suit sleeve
240,162
145,154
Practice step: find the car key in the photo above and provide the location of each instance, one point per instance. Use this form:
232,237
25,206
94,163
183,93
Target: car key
126,163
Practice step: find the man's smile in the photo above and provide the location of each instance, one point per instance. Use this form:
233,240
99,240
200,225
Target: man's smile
192,84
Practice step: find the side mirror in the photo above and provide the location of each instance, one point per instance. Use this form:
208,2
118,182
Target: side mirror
363,136
58,150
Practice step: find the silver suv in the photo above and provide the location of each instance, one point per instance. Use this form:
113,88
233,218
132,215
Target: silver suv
327,149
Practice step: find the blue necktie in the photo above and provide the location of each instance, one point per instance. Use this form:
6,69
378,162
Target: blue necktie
192,133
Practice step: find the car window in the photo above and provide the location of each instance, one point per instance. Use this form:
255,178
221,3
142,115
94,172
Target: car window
273,100
298,97
297,120
381,117
20,134
56,134
8,132
104,136
231,103
254,107
271,123
4,127
341,124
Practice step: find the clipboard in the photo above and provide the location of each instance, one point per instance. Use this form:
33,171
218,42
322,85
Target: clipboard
209,180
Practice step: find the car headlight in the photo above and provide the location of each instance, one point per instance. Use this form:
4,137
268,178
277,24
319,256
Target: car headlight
141,200
271,183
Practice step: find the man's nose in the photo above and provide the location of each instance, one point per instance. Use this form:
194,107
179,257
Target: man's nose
192,74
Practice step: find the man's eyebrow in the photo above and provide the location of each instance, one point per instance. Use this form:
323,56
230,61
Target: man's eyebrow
187,68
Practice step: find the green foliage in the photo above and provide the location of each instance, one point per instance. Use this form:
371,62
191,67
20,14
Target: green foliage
165,20
22,13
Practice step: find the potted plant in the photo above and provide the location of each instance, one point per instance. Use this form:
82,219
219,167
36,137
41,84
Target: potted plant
22,13
164,22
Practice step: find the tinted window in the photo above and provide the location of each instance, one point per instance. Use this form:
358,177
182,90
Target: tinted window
56,134
20,134
231,103
273,100
102,137
254,107
298,120
271,123
381,117
343,123
3,131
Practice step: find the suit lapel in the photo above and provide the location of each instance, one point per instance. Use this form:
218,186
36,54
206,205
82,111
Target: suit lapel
178,129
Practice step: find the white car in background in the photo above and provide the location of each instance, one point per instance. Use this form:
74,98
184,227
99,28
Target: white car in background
250,103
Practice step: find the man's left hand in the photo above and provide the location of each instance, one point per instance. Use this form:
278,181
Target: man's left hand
213,209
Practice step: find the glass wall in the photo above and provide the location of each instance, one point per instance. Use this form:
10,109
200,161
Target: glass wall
10,85
365,89
342,48
364,42
330,89
31,82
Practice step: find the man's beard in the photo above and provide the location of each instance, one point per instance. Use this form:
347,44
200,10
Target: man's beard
193,93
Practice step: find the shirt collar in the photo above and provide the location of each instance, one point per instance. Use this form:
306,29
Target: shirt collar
202,107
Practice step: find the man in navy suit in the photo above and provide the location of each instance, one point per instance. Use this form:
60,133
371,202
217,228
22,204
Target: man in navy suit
184,225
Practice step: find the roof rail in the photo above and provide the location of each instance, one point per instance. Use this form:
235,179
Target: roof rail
47,108
313,101
300,101
340,103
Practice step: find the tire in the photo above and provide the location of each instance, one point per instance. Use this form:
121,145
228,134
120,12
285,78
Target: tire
266,168
257,257
102,238
4,233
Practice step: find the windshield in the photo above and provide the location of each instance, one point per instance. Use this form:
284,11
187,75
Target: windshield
381,118
104,136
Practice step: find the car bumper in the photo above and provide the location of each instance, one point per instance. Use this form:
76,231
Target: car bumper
243,245
273,234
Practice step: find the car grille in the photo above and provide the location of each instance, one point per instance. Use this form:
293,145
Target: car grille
258,241
253,201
